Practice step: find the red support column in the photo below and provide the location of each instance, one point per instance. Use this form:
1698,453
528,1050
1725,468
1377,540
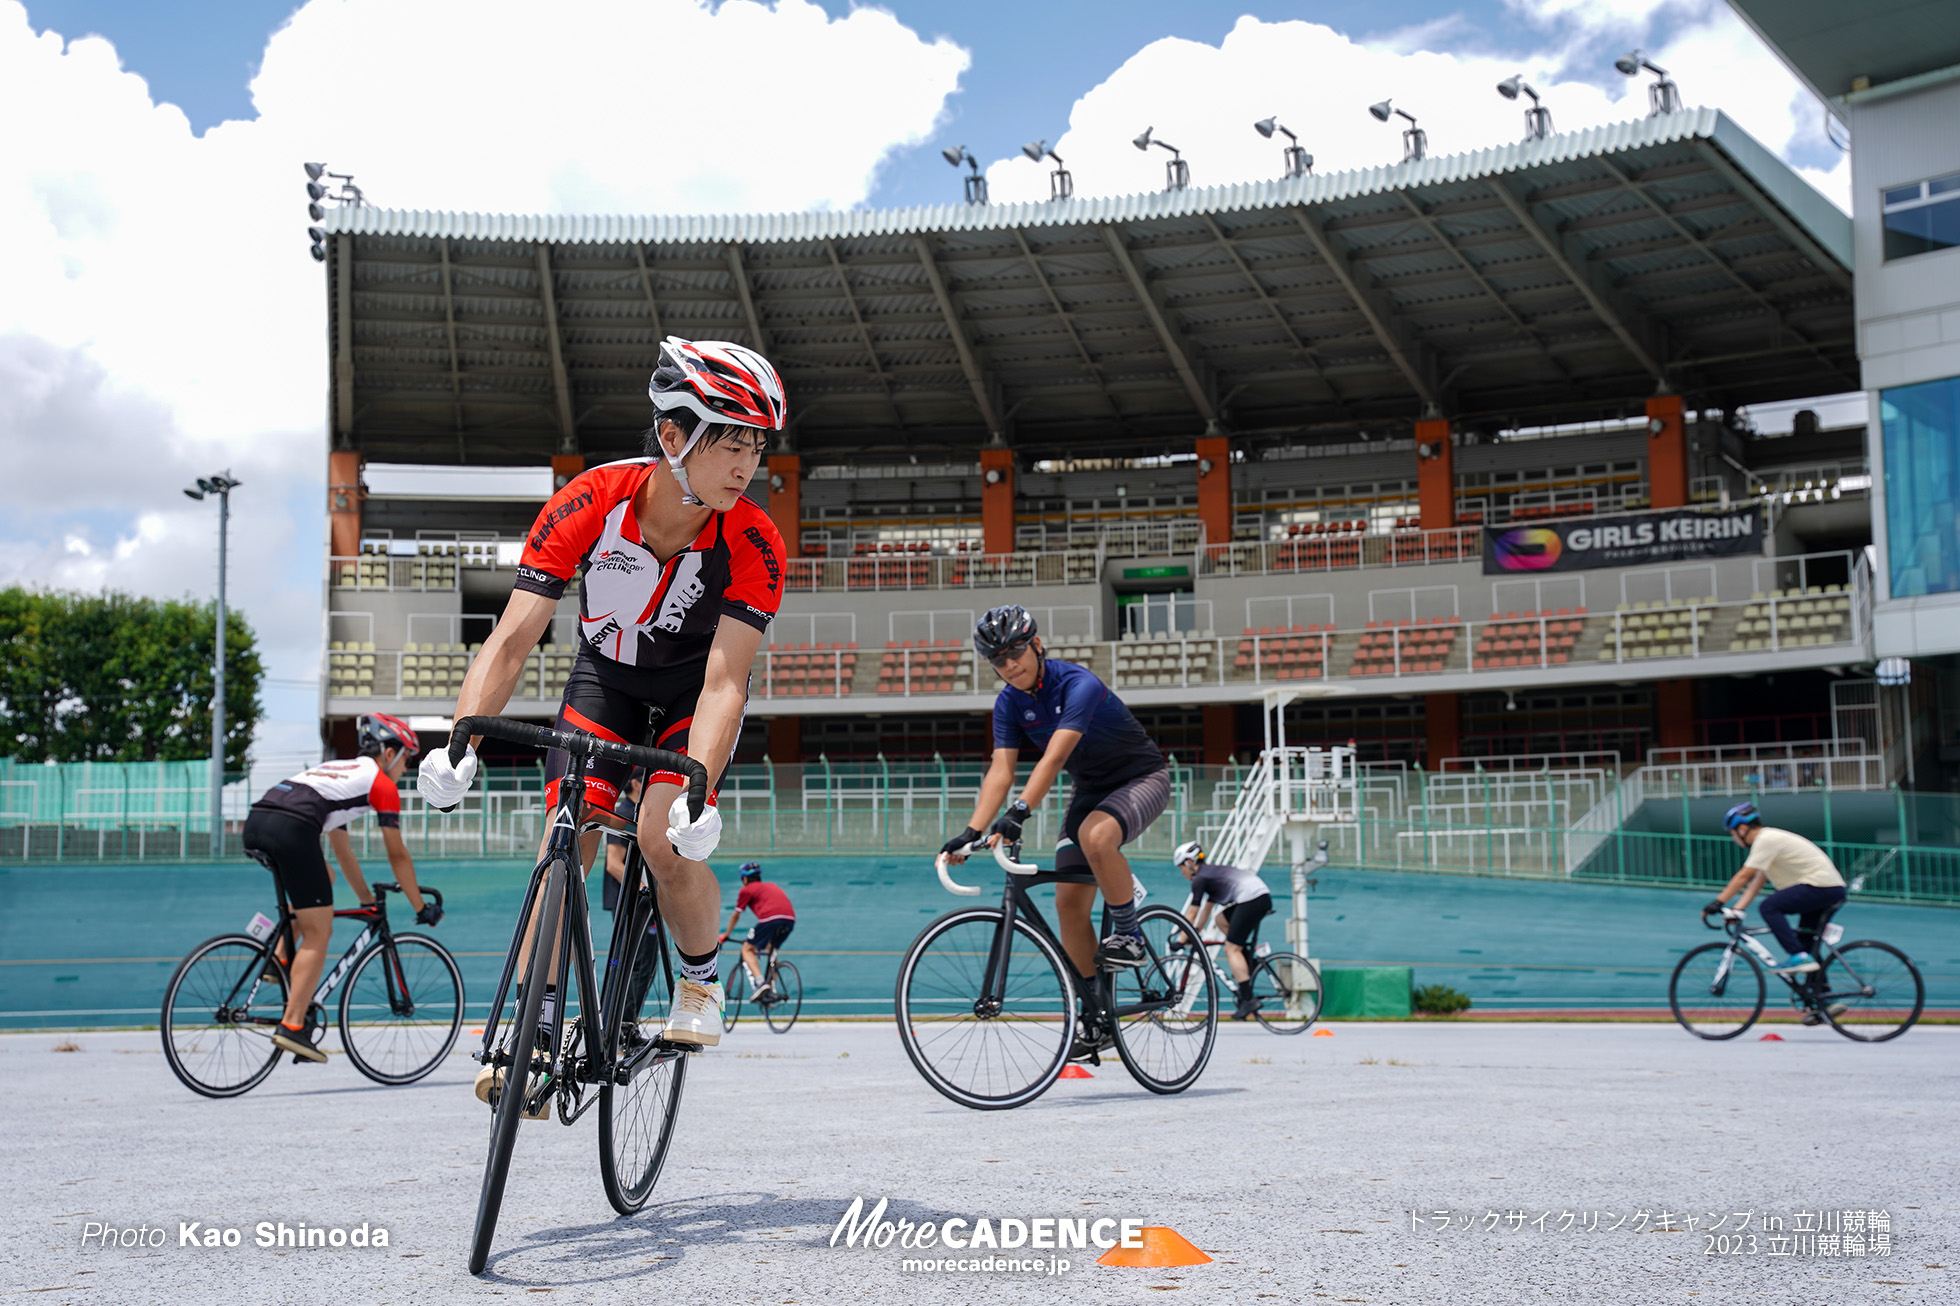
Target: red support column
1435,475
1675,700
997,500
344,503
1667,453
1442,715
785,740
786,499
1221,724
1215,488
564,466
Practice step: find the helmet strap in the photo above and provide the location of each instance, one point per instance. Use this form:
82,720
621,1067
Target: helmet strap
674,462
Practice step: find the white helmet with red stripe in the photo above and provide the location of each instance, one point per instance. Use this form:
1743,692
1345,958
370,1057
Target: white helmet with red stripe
702,384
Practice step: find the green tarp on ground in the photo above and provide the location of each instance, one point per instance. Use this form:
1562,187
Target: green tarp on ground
1366,992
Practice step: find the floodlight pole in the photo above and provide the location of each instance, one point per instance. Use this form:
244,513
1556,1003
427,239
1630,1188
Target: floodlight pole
218,682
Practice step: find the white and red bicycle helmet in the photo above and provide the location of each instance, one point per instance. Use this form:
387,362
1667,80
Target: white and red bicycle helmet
377,730
701,384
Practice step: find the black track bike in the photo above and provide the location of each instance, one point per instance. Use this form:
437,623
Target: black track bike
1867,991
988,1002
610,1052
400,1010
785,998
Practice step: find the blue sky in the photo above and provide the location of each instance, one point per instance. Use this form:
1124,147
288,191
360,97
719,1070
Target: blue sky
1031,61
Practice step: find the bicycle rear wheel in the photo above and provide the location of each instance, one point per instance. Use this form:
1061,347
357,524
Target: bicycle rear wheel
1166,1009
1716,993
402,1009
509,1101
780,1011
1286,991
733,994
1878,988
981,1055
219,1011
636,1118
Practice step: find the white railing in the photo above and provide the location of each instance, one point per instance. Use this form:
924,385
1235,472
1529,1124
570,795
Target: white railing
386,572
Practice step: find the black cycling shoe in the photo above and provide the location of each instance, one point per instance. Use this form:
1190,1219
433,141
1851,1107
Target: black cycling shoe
1122,952
1246,1009
1090,1039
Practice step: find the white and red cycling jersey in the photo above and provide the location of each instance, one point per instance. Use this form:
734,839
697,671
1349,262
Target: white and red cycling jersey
633,610
332,794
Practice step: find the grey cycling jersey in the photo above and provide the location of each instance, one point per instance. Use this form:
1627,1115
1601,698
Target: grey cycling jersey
1227,886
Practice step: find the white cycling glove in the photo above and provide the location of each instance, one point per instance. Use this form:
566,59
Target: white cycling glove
694,840
442,785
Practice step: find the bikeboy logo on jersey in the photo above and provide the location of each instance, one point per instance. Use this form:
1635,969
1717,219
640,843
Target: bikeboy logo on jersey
1040,1233
682,593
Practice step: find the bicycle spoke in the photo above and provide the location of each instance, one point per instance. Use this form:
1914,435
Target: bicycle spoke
1716,991
1871,992
219,1014
974,1053
402,1010
1164,1030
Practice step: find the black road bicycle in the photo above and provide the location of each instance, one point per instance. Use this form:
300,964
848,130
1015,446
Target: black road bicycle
606,1053
400,1011
1868,991
1284,986
785,999
988,1002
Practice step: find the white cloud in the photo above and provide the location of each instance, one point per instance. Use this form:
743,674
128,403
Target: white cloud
1204,99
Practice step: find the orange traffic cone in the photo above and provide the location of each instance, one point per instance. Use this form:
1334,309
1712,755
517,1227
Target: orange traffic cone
1323,1033
1161,1247
1075,1072
1770,1038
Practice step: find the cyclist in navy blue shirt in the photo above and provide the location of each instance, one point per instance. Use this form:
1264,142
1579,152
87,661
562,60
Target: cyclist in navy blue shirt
1119,778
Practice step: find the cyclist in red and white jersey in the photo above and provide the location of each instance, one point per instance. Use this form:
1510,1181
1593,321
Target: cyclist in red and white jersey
679,576
283,831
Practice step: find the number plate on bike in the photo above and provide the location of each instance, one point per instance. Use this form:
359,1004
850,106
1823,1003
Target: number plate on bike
261,926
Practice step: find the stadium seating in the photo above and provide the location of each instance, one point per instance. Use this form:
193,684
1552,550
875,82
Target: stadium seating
1419,647
1163,659
1282,653
1789,618
1660,629
926,667
1528,639
803,670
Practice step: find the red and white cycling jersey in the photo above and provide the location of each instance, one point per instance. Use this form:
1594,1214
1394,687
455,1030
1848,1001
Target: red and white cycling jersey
633,610
331,794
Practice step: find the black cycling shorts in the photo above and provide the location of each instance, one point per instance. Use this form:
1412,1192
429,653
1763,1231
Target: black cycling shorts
768,934
1242,918
626,704
290,848
1134,804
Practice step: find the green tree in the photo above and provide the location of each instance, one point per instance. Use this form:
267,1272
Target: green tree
113,678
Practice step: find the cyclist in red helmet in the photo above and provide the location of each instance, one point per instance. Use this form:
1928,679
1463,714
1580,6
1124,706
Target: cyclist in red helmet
283,830
679,576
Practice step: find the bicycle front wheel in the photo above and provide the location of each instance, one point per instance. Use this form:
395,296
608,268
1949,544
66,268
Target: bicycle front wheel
509,1098
780,1011
733,994
1286,993
402,1009
1166,1009
1872,992
1717,991
219,1012
983,1051
636,1117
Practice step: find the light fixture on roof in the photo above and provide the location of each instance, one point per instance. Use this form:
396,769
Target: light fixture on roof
1663,96
1415,141
1537,119
348,196
1298,162
976,185
1061,182
1177,173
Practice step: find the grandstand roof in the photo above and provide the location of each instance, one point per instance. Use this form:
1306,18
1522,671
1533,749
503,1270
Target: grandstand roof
1540,280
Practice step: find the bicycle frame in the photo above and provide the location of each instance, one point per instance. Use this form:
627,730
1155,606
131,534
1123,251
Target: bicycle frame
286,933
574,943
1745,936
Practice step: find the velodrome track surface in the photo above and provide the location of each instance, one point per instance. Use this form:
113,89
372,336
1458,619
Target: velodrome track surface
1295,1162
83,945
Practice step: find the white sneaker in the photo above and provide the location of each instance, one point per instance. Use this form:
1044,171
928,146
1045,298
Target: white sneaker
696,1015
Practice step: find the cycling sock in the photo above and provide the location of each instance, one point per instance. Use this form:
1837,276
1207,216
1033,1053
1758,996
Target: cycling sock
701,969
291,1028
1123,917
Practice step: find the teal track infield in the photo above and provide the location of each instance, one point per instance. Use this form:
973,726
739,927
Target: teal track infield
91,946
